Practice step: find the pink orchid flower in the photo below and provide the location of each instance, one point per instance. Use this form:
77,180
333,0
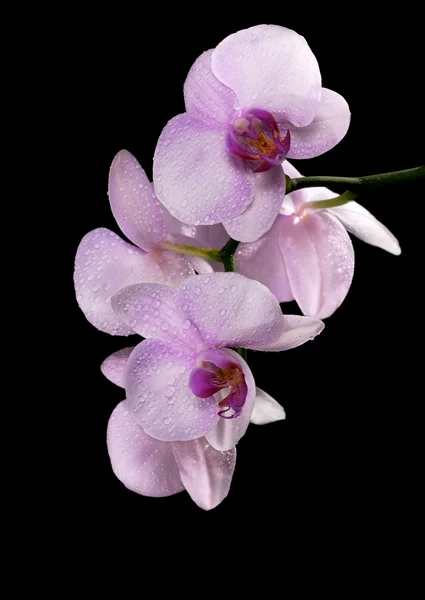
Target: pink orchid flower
105,263
307,255
251,102
154,468
183,381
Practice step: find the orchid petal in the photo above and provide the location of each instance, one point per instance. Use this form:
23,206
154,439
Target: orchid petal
159,396
114,367
266,409
151,311
172,268
355,218
295,331
133,202
319,260
327,129
195,177
270,67
361,223
263,261
205,472
299,196
202,265
269,190
205,96
204,236
199,238
142,464
230,310
104,264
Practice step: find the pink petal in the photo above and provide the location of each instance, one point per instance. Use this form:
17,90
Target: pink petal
230,309
104,264
327,129
158,393
263,261
195,177
227,432
266,409
319,260
201,236
133,202
114,367
202,265
361,223
171,268
144,465
269,190
152,312
298,197
205,472
355,218
273,68
295,331
220,357
205,96
205,236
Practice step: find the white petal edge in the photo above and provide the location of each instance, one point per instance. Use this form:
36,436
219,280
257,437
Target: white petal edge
266,409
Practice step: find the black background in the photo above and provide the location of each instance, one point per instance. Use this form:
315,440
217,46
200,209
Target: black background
349,448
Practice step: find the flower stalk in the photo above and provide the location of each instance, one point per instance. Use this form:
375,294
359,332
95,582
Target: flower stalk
213,254
344,198
226,255
357,184
243,352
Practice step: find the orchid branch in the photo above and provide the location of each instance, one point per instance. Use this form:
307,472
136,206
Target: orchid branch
226,255
344,198
243,352
357,184
211,254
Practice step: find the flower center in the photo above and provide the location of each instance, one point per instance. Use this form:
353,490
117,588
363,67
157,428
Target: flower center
255,137
217,372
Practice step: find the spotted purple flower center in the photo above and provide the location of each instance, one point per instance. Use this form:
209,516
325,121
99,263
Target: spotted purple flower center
210,378
255,137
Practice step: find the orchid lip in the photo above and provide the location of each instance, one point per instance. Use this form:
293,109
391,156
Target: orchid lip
210,378
254,136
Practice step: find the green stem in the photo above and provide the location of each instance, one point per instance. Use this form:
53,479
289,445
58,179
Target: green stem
243,352
332,202
357,184
213,254
227,254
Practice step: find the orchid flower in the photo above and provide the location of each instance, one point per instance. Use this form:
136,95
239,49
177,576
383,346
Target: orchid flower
307,255
154,468
184,381
251,102
105,263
